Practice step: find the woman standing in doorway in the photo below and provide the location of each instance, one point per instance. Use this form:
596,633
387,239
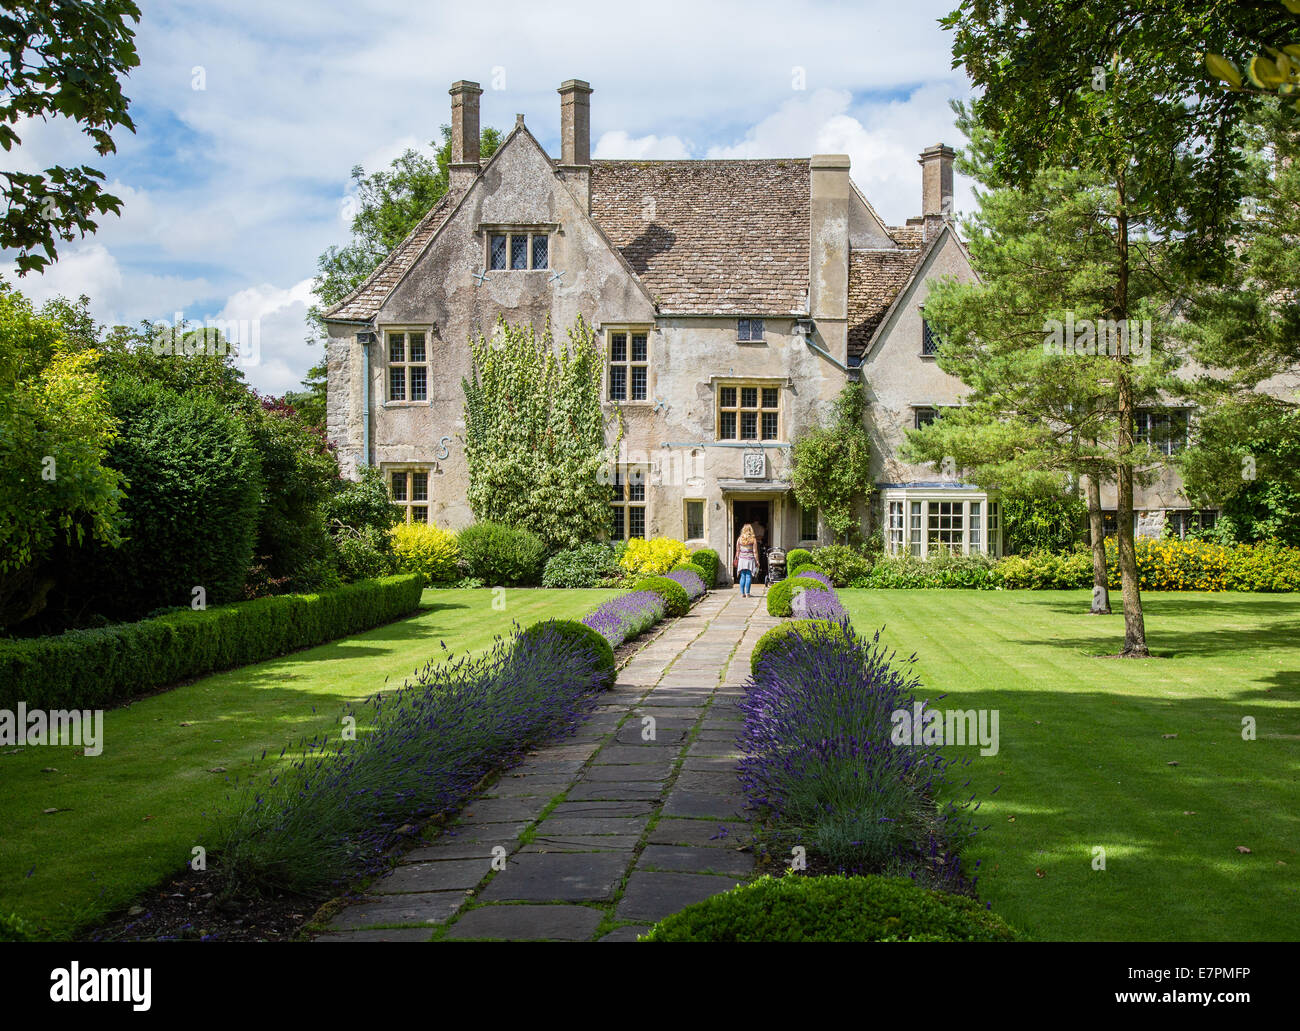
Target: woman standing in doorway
746,558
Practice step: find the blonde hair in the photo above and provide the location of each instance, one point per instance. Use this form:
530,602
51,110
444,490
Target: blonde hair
747,534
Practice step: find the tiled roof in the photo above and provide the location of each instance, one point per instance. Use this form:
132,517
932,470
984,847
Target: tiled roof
875,277
710,237
908,236
365,300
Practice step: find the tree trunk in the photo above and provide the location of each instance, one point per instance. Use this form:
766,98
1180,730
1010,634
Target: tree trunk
1097,538
1135,634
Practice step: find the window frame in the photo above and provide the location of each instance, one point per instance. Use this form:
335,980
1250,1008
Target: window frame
804,513
915,522
622,489
686,519
630,331
1153,417
745,331
390,366
527,233
410,502
739,409
929,338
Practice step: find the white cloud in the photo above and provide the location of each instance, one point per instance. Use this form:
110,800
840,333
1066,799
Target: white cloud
618,144
280,315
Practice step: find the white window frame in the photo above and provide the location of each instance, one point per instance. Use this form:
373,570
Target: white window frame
907,517
406,365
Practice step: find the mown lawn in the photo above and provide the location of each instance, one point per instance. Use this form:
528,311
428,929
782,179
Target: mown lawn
1143,758
129,817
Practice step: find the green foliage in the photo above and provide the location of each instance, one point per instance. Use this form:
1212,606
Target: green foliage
673,593
652,557
428,550
806,567
535,434
1038,516
14,929
191,508
363,503
56,428
107,665
707,560
593,564
63,61
1041,570
833,909
502,555
941,569
797,557
363,554
772,641
577,636
832,465
841,563
780,596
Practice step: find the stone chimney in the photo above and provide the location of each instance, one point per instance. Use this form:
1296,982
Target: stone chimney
828,272
575,140
464,135
936,187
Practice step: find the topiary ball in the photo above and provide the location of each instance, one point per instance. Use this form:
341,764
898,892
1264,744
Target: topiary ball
772,641
707,560
780,595
673,593
806,567
797,557
577,636
834,909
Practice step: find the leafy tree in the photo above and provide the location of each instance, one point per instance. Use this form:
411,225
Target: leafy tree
63,60
1040,514
535,433
832,465
56,429
1115,88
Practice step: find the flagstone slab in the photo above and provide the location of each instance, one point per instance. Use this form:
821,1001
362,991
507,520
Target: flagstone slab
653,896
558,876
625,934
527,923
380,934
559,826
583,843
437,876
626,791
685,859
705,804
430,907
701,833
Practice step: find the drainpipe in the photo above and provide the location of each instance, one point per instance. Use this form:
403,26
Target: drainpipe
365,339
805,327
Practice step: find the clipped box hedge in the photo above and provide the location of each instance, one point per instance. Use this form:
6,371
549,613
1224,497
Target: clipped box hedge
102,666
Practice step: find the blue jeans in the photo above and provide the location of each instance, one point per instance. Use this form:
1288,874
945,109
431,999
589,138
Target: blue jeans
745,579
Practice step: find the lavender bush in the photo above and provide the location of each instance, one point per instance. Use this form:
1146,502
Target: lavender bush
820,766
336,810
818,605
625,617
813,574
692,582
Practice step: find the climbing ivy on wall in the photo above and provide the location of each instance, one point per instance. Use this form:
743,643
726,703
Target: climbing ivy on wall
535,434
832,465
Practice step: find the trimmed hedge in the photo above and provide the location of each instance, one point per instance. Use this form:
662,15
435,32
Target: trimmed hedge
588,565
780,595
98,667
806,567
772,641
694,589
797,557
834,909
576,636
707,560
501,555
673,593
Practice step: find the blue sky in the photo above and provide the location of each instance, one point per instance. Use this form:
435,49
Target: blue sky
231,190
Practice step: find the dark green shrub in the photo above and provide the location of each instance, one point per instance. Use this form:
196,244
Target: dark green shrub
780,595
191,507
96,668
576,636
588,565
834,909
772,641
673,593
796,557
707,560
806,567
941,569
362,554
841,563
14,929
502,555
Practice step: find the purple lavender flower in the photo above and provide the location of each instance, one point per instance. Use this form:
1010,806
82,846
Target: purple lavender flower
693,582
627,616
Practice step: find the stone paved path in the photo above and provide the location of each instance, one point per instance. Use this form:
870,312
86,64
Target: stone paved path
597,836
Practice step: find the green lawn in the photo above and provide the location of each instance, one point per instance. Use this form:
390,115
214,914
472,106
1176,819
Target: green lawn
129,817
1087,757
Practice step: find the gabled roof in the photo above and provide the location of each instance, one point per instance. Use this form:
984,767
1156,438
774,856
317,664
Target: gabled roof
876,277
710,237
363,302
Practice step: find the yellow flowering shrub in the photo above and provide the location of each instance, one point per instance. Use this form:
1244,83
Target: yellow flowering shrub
428,550
1168,564
653,557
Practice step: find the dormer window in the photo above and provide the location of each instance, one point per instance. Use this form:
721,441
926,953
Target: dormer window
522,250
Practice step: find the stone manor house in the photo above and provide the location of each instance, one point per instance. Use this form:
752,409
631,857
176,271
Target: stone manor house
733,299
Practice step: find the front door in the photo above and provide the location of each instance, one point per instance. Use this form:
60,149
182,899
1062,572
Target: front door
759,515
